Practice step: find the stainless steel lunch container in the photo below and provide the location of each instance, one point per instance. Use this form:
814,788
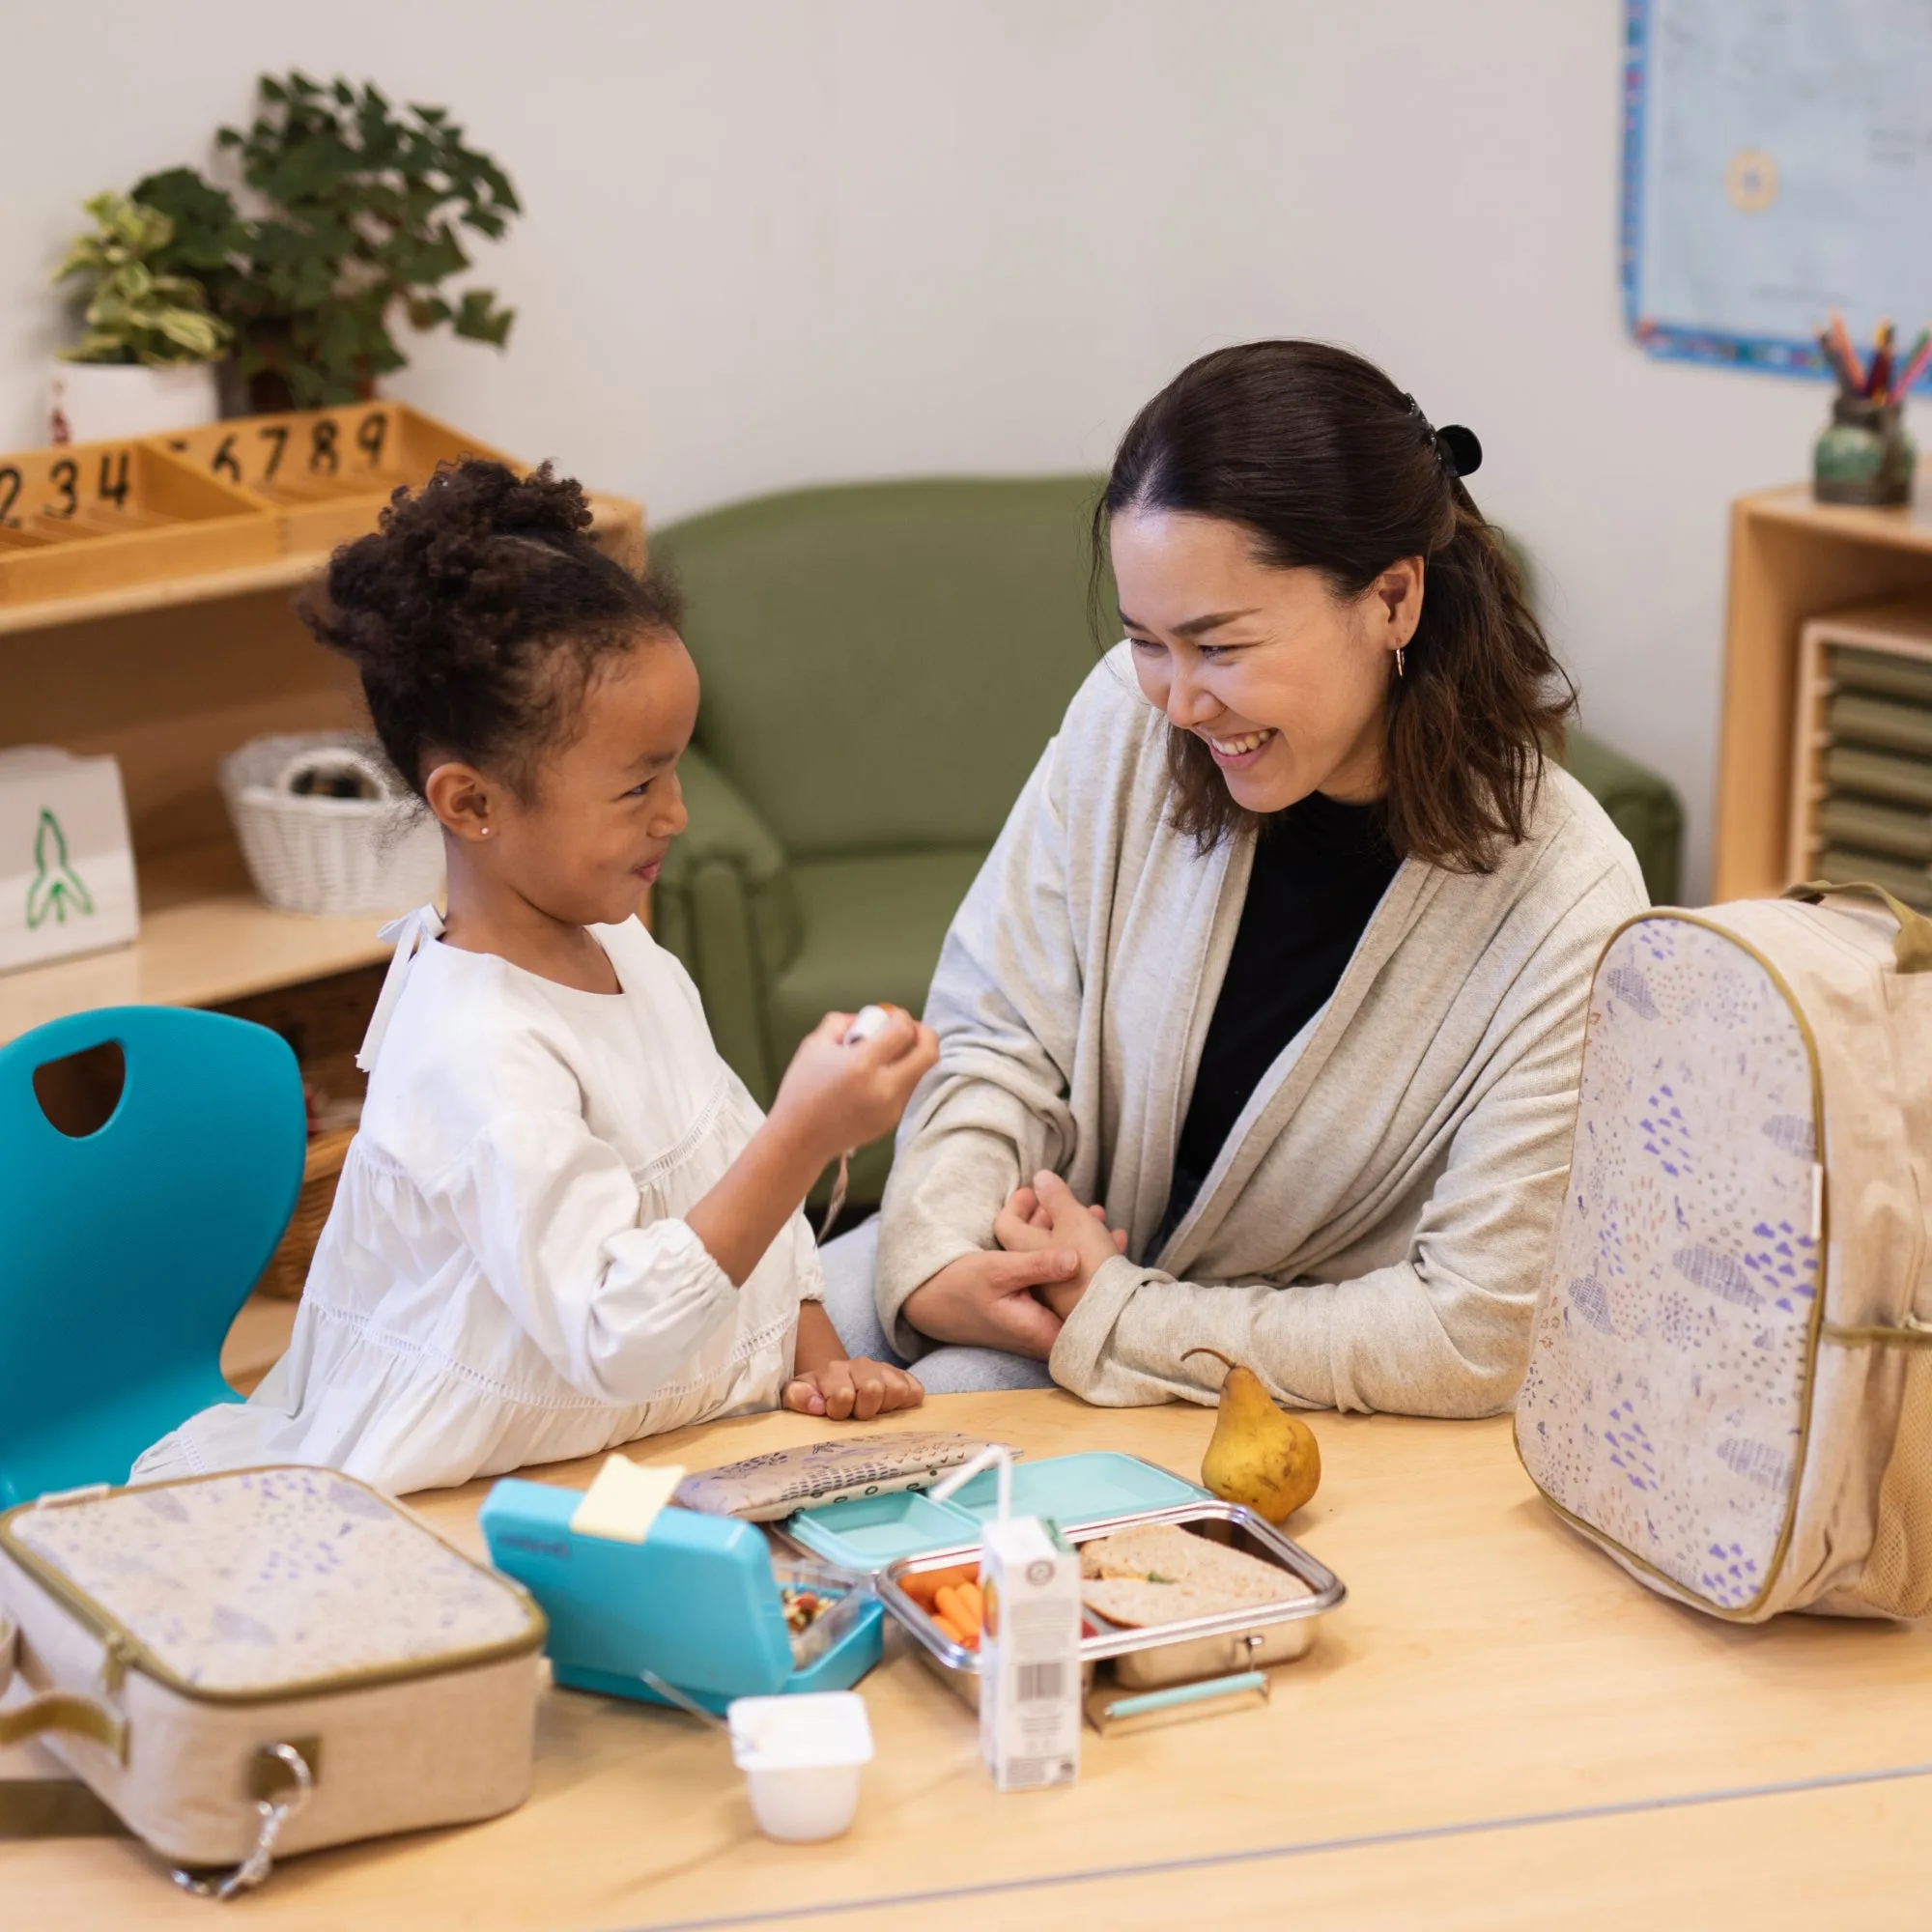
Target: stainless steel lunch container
1176,1653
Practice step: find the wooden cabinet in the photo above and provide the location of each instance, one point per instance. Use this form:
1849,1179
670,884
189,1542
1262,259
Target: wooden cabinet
1792,560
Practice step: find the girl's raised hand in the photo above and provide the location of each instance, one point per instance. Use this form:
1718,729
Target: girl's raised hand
836,1096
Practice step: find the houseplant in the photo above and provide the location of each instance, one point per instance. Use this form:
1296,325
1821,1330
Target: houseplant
364,212
147,355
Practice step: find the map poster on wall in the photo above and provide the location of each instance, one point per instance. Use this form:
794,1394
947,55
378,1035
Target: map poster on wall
1778,165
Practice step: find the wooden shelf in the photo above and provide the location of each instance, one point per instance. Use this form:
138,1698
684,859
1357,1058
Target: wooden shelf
205,940
1907,528
285,573
616,520
1792,560
169,678
617,523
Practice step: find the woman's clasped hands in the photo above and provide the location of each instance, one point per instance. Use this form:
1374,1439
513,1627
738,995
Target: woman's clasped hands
1016,1295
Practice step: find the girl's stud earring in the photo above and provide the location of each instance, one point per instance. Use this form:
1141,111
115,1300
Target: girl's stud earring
484,831
1398,662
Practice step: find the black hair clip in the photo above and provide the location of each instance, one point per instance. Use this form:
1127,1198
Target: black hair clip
1456,448
1461,453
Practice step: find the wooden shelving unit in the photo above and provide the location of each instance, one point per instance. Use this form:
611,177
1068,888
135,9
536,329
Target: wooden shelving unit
1792,560
169,678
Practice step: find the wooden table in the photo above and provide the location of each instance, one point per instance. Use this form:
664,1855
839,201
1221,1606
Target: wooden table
1496,1729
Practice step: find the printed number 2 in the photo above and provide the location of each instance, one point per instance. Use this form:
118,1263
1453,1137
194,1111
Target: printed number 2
9,494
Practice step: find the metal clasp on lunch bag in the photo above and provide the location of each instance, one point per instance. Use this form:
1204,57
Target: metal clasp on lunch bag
275,1814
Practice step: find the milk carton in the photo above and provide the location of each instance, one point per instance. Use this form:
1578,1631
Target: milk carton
1030,1700
1029,1689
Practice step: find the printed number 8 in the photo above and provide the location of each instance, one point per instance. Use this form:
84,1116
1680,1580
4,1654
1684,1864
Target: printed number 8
322,451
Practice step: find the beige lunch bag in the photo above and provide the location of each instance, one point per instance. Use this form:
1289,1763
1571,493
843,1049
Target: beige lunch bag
1731,1378
248,1665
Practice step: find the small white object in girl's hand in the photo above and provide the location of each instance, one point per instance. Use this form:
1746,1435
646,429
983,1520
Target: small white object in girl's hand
866,1024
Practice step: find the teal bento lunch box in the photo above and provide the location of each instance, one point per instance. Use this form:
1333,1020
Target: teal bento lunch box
866,1533
697,1604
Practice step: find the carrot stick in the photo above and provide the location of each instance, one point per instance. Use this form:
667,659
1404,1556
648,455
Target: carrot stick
922,1587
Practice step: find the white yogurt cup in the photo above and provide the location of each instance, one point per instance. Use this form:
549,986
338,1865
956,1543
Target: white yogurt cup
801,1758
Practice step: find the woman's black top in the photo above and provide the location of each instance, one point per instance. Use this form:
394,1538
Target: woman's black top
1320,871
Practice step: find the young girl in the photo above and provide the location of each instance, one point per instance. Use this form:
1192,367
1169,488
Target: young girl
564,1223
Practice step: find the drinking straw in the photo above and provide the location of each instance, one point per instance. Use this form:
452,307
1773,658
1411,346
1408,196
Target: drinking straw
993,1453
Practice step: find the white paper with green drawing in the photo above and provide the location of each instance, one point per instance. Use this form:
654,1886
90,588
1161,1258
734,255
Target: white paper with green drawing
67,864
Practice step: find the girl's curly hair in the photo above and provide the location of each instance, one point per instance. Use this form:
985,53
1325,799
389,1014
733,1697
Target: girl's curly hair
477,614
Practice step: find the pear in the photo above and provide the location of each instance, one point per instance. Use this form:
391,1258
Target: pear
1260,1456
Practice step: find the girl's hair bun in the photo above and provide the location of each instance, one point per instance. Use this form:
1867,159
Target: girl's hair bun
468,598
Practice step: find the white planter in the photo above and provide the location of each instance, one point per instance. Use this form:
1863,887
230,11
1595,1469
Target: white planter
110,402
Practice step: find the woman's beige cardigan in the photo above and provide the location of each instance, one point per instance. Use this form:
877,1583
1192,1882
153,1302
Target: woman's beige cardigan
1372,1234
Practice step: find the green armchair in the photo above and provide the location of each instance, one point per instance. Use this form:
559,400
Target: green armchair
883,664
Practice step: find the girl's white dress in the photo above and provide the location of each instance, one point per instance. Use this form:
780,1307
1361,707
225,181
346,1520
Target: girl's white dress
504,1278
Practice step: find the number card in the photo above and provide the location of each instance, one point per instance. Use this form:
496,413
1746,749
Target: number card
96,516
326,472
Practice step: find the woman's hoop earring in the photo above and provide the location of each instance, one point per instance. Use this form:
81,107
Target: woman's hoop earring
1399,672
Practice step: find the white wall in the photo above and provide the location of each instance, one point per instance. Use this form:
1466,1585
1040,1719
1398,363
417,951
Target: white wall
771,242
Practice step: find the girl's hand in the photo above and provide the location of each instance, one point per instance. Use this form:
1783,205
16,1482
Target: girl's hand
1023,1227
854,1391
836,1096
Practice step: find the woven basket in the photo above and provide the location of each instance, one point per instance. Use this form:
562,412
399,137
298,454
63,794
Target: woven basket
316,854
288,1271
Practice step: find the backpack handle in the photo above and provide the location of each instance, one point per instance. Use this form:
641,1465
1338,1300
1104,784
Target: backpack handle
1911,949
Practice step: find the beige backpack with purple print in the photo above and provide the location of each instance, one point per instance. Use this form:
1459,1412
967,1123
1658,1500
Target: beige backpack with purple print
1730,1379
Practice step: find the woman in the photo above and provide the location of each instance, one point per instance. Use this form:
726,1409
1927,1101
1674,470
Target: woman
1259,1030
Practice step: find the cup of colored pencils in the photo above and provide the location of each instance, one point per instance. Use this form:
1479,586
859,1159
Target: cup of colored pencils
1864,455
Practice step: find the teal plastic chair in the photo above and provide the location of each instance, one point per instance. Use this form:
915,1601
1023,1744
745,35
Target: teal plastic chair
126,1253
